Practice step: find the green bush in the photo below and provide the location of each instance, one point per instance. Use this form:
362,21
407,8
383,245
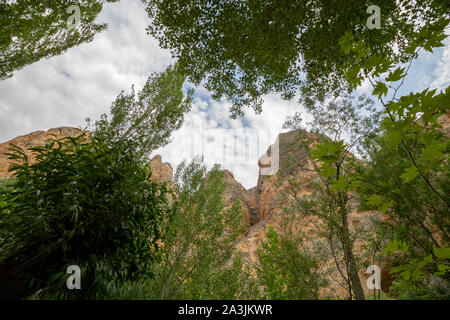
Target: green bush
198,258
288,272
84,203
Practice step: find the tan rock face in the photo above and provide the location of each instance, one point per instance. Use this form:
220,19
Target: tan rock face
294,177
234,191
294,180
37,138
161,171
262,204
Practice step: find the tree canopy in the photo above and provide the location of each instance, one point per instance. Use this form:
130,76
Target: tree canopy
149,117
241,50
32,30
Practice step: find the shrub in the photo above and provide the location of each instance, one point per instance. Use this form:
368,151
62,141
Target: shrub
84,203
286,270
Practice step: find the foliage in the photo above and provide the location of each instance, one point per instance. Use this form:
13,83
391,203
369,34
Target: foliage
88,200
407,174
243,50
82,203
401,114
412,212
32,30
331,160
149,118
413,280
197,256
287,270
5,186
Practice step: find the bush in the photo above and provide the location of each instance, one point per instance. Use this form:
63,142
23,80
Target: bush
287,271
198,258
84,203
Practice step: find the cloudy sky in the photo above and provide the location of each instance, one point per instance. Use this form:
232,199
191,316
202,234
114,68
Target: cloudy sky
65,90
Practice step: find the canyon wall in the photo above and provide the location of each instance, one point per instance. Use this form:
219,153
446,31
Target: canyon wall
263,204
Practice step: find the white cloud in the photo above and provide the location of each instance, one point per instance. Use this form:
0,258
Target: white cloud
244,140
82,82
441,74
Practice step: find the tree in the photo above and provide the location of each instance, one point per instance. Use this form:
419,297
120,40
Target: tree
82,203
416,113
89,201
32,30
148,118
407,175
198,258
416,278
242,50
332,162
413,214
288,269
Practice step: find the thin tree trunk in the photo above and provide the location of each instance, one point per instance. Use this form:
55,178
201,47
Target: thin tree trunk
350,260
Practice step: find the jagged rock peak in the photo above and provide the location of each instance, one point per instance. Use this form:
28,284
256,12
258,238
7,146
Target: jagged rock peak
161,171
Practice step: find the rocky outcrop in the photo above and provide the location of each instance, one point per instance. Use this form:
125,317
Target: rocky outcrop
37,138
262,204
294,180
161,171
234,191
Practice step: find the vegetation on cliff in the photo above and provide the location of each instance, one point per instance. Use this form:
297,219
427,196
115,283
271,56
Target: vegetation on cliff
90,200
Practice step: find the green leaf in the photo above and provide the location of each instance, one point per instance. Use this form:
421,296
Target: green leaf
374,61
55,276
399,268
374,201
327,170
328,151
427,259
394,246
354,185
395,75
383,67
380,89
434,151
442,269
442,253
393,137
385,206
340,184
352,76
409,174
346,42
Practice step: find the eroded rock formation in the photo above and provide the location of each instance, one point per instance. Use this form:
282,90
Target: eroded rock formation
261,204
37,138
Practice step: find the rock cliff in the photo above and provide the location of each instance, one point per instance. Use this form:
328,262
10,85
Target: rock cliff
37,138
262,204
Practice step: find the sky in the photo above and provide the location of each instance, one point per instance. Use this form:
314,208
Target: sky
83,82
